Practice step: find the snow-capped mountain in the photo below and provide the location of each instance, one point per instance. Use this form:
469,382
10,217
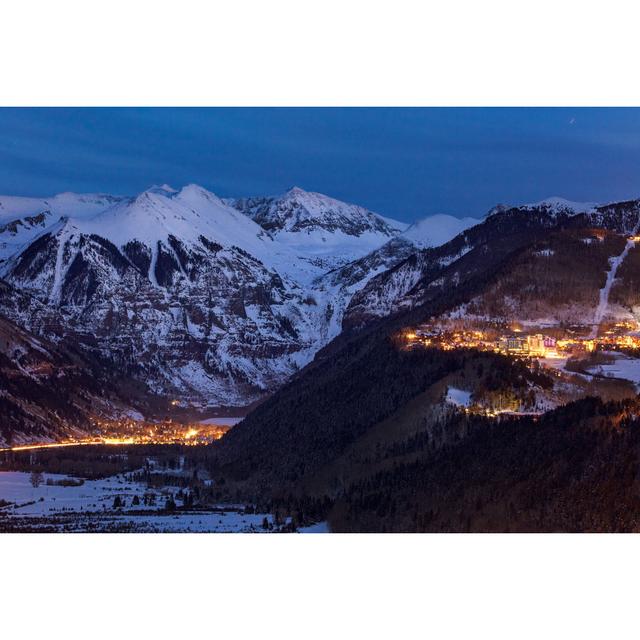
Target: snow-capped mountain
436,230
324,231
70,204
183,290
553,205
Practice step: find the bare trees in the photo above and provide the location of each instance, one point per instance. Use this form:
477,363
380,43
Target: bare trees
37,478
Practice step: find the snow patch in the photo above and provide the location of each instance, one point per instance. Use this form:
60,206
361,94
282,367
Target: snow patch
624,367
458,397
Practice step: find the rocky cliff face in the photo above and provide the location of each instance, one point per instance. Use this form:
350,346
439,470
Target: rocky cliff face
50,388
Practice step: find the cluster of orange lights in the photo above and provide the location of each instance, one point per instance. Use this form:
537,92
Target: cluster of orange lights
450,340
130,432
517,342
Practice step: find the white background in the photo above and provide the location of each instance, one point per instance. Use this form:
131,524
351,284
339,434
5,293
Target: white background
318,53
334,52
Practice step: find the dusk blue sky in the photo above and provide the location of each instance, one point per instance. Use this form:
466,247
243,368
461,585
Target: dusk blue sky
404,163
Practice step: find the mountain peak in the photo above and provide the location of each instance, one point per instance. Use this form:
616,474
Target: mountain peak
163,190
295,191
315,215
191,212
193,190
437,229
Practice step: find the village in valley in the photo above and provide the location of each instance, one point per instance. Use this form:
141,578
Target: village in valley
607,347
135,430
583,360
514,340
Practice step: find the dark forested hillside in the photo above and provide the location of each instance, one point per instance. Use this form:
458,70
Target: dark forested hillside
353,385
361,378
572,470
428,272
558,277
311,423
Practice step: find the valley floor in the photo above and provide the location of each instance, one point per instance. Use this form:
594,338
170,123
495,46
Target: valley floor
90,508
64,504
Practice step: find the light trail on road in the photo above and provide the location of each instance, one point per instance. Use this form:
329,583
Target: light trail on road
77,443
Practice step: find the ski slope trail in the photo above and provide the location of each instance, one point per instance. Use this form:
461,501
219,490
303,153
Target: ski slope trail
614,265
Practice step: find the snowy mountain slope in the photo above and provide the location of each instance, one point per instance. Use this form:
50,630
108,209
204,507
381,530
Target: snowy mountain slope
326,232
556,205
421,275
22,219
303,211
191,317
436,230
405,248
187,214
161,221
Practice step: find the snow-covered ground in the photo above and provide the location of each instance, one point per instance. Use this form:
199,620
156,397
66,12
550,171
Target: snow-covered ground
623,367
603,301
459,397
16,487
318,527
90,507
